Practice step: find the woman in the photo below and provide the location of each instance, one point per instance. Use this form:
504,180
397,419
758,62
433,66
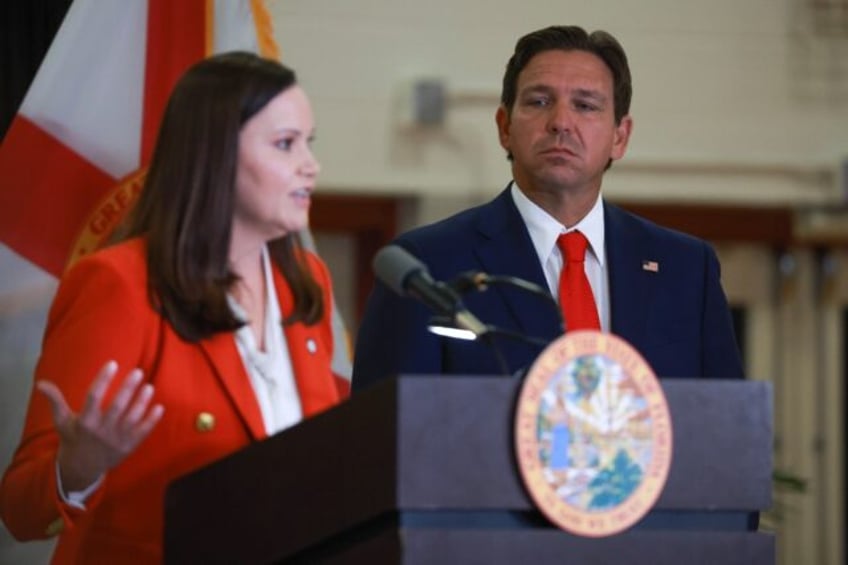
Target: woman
209,306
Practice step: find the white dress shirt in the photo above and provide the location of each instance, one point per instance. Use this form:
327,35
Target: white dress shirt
544,231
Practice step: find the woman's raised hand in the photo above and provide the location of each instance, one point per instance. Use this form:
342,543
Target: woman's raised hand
99,437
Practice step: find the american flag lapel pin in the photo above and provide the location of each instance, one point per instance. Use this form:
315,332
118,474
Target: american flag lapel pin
650,266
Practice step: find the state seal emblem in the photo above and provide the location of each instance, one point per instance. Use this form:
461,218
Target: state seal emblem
106,216
593,434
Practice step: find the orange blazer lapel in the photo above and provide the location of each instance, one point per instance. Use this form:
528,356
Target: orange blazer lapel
310,357
223,355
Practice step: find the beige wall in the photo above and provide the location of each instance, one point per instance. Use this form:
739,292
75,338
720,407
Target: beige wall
733,101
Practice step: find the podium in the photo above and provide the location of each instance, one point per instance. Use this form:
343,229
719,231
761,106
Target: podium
421,470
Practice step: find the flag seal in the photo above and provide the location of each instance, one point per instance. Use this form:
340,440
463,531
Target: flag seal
106,216
593,434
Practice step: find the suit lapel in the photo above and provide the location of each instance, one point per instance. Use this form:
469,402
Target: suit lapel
223,355
505,247
310,358
630,285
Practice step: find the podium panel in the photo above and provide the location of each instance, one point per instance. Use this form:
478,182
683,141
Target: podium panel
422,546
421,470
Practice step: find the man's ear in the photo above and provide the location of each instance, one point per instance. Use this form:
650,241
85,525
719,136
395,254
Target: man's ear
502,120
621,138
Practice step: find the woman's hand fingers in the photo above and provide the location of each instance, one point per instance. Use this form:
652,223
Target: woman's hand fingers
135,412
114,413
136,423
146,426
62,415
90,413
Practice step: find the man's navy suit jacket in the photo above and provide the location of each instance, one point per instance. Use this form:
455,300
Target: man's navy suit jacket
677,316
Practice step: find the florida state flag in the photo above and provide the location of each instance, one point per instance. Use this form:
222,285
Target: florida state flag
72,161
88,123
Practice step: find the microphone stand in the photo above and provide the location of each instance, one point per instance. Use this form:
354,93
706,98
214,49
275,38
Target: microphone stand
479,281
443,326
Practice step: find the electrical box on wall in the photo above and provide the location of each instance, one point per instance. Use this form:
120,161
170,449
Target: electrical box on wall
422,102
429,102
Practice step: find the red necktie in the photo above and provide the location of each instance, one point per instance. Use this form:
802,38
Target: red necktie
575,294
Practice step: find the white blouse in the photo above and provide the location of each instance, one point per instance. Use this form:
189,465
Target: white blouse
270,371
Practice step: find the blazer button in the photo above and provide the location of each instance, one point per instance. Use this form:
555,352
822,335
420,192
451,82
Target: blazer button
205,422
55,528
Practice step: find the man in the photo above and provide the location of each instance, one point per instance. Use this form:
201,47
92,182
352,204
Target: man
563,119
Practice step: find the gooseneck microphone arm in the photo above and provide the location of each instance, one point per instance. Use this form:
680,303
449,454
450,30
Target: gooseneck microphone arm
480,281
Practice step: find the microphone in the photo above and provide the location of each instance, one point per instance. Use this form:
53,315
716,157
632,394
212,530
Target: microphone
407,276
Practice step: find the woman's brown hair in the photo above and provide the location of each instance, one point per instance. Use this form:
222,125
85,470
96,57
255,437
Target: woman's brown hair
185,209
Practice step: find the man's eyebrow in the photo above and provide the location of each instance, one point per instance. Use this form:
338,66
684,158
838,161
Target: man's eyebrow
590,93
536,88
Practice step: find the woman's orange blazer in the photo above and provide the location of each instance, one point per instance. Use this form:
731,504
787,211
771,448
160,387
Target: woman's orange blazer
101,312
